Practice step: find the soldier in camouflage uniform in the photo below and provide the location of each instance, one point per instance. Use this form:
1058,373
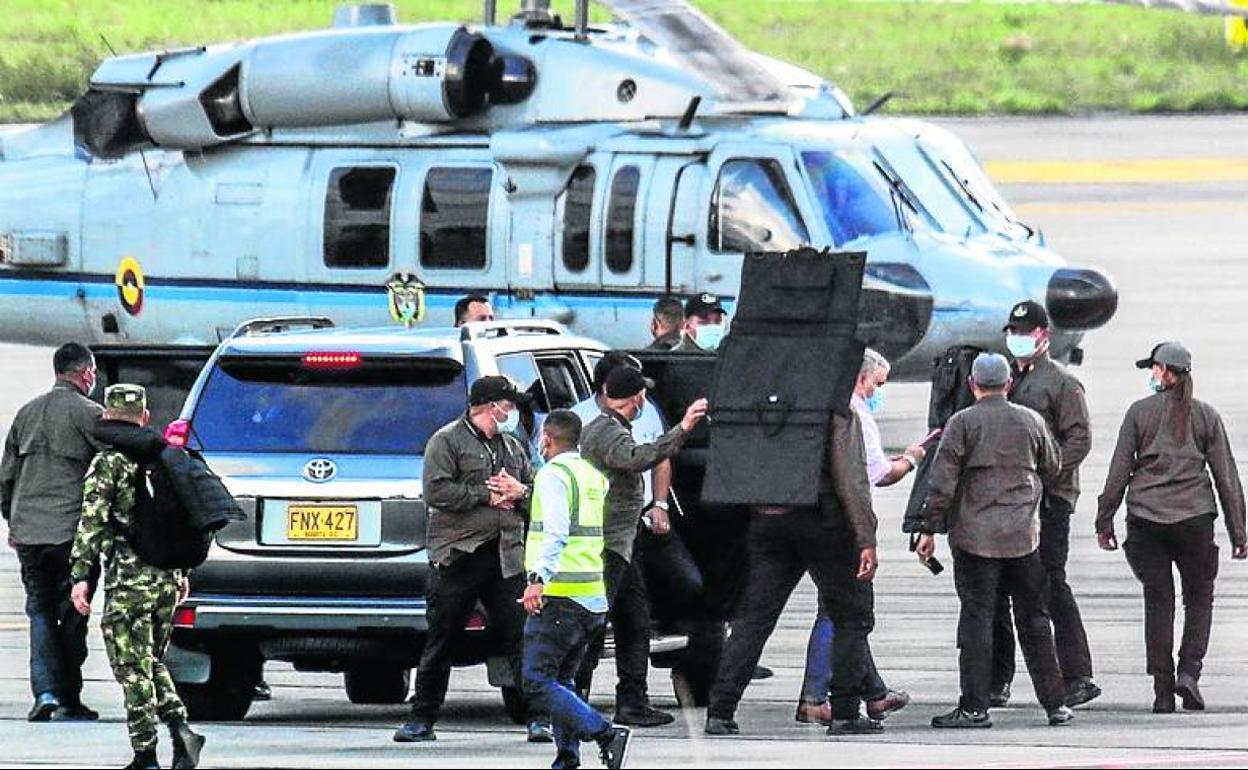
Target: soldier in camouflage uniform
139,599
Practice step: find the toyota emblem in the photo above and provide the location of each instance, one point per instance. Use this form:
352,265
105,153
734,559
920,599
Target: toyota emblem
320,470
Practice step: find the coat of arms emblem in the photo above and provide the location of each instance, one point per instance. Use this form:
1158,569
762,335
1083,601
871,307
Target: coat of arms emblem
406,295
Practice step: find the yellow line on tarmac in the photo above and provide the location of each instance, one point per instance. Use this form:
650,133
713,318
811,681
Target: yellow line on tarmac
14,626
1119,171
1138,208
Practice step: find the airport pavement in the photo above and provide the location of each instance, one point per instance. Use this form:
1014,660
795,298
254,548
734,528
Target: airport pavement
1172,240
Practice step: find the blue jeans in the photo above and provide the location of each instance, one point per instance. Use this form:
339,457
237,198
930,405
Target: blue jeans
818,680
554,643
58,634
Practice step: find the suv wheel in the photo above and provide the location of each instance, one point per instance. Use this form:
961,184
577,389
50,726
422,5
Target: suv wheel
377,684
227,695
514,703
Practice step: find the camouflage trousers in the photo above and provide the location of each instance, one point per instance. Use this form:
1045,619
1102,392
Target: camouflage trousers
137,625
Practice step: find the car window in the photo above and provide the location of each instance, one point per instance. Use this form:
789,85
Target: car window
357,217
522,368
381,406
564,385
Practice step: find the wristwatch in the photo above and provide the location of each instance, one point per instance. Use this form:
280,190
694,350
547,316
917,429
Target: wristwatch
661,504
536,579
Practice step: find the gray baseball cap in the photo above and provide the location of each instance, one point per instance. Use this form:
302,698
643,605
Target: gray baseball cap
1172,354
990,370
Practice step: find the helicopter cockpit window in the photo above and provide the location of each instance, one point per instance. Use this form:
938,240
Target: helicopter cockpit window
752,209
854,204
622,219
454,218
578,205
949,210
357,217
953,161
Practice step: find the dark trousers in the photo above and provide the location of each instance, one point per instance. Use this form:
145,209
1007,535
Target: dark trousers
783,547
1153,551
58,634
630,625
554,645
978,581
453,593
1073,654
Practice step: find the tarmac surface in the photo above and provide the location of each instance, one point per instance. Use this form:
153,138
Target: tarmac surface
1159,203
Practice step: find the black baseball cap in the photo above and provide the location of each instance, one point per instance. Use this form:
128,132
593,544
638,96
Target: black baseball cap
626,382
493,388
1027,316
703,305
611,361
1172,354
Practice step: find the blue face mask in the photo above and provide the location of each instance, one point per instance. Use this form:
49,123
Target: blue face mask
875,402
512,422
709,336
1155,385
1020,345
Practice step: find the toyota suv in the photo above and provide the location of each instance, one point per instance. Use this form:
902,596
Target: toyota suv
319,433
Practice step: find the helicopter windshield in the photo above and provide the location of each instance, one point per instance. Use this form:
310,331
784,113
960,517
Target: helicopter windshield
947,210
954,161
855,203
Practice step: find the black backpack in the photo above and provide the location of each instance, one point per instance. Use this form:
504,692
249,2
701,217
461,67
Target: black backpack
179,505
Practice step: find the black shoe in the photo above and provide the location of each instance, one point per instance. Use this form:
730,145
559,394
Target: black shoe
45,706
1186,688
857,726
999,698
75,713
960,719
717,726
566,761
262,691
540,732
144,760
1062,715
762,672
1082,690
642,716
613,746
187,744
415,731
1163,703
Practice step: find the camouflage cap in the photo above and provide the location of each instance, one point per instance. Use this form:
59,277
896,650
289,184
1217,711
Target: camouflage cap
125,398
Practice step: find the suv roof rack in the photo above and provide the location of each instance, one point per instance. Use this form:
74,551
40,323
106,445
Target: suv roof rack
277,324
495,329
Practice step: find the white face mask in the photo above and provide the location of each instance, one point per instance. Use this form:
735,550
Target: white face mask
708,336
510,423
1021,345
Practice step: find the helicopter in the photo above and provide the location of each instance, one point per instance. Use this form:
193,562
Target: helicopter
375,172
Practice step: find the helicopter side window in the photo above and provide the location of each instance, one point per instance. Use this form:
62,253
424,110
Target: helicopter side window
454,218
357,217
622,219
752,209
577,207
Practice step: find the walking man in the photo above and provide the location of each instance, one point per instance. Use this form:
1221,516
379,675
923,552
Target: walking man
139,599
477,478
46,454
607,442
566,597
1166,443
985,483
1046,387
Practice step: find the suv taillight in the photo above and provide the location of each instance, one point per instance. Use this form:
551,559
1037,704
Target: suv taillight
184,617
178,432
331,360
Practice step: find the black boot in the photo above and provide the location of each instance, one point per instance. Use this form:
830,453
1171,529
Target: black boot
1163,695
143,760
186,745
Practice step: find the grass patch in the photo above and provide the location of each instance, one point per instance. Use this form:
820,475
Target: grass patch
963,58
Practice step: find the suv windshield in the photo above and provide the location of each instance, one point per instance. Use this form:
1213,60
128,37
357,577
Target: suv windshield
380,406
854,204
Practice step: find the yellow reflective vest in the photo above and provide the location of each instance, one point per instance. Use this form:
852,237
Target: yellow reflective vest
579,572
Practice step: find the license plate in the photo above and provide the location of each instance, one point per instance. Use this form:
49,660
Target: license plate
322,522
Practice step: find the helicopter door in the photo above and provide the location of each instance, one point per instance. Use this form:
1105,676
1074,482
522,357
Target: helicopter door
756,204
686,226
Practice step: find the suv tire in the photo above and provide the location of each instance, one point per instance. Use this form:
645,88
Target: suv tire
514,703
227,695
377,684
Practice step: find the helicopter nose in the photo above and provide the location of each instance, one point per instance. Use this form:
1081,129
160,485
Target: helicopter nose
1080,299
895,308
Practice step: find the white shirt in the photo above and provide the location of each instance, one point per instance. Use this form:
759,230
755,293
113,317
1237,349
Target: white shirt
647,429
878,464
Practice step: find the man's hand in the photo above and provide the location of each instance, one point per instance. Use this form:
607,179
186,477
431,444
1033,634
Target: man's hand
1108,541
80,595
1239,552
926,548
506,485
867,565
917,452
499,501
660,524
532,600
694,414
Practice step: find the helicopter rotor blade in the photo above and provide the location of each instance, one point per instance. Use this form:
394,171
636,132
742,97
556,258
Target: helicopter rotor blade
690,36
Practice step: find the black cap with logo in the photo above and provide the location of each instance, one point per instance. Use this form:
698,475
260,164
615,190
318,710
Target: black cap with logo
493,388
1027,316
626,382
703,305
